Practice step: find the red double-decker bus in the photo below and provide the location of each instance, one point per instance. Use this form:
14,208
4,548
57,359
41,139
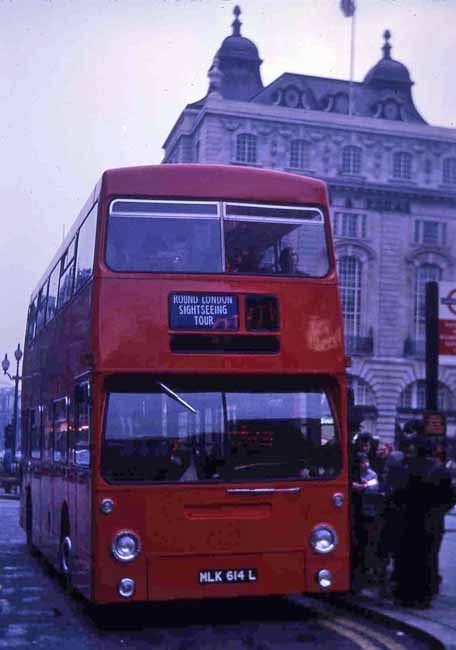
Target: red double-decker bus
184,400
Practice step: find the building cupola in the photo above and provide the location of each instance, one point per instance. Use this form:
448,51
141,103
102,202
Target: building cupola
388,72
238,65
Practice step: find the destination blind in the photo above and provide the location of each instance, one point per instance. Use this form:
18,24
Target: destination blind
203,311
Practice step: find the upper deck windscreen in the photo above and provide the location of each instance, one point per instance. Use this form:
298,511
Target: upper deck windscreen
154,236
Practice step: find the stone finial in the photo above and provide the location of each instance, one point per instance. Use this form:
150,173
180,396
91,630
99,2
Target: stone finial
387,47
236,24
215,77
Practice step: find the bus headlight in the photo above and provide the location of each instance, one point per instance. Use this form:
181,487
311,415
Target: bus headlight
323,539
126,546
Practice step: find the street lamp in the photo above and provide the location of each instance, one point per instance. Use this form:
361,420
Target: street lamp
16,378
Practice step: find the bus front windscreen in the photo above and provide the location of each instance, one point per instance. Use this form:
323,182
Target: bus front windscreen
174,434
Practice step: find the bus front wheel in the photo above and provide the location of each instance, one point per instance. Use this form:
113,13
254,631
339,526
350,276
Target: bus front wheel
66,548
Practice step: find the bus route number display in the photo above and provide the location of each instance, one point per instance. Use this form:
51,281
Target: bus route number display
203,311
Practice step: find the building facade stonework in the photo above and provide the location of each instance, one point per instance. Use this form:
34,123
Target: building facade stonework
392,181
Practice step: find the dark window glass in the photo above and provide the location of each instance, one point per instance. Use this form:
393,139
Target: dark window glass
430,232
213,434
449,171
424,274
46,418
269,240
35,433
299,154
350,282
351,160
52,293
61,430
66,275
86,248
246,148
164,237
31,321
402,165
81,451
42,302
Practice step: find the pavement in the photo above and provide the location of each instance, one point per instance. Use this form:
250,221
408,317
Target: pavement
439,621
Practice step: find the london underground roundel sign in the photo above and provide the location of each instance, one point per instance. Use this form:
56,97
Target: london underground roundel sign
447,323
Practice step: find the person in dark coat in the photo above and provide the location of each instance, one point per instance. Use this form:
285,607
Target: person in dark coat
419,498
447,498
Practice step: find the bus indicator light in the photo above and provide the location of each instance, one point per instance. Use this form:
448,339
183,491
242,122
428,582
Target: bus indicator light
126,588
107,506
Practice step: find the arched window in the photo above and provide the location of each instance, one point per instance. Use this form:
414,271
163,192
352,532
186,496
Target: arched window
402,165
362,392
246,148
414,397
350,272
299,154
449,171
424,273
351,160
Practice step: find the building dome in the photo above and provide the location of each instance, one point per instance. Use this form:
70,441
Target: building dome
238,64
238,46
388,70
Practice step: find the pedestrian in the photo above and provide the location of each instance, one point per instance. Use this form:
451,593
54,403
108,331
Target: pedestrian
394,480
364,514
446,498
419,498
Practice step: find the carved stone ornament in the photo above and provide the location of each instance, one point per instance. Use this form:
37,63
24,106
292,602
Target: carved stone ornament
263,129
231,125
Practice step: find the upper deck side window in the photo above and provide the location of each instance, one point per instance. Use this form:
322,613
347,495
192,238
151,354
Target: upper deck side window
66,275
211,237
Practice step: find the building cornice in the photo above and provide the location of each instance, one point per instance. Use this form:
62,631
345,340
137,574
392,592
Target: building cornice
332,121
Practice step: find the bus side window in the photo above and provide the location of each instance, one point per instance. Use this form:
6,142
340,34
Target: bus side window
35,433
81,437
24,415
42,301
60,429
31,321
52,293
85,250
47,433
66,275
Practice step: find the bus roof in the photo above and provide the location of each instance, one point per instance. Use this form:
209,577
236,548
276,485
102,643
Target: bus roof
198,181
214,182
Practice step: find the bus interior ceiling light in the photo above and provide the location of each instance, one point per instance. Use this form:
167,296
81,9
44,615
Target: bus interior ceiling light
323,539
126,546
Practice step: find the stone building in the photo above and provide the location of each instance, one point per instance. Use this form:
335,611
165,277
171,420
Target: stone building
392,180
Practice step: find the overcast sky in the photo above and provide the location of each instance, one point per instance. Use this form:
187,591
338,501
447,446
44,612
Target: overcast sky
88,85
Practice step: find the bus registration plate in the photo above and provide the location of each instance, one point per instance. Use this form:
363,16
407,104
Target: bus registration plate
214,576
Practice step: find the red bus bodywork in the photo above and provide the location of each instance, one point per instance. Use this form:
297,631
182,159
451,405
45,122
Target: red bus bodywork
118,323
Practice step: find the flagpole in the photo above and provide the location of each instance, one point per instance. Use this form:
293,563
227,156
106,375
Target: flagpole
352,63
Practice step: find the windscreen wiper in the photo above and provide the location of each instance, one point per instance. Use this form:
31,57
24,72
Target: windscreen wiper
175,396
